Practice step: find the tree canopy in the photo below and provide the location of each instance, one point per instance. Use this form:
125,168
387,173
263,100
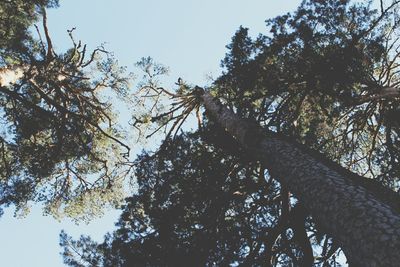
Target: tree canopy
60,144
327,76
199,206
324,78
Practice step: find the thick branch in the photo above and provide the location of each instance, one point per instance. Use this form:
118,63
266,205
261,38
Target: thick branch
384,93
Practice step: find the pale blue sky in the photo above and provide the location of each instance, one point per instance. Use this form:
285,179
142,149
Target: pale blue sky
188,36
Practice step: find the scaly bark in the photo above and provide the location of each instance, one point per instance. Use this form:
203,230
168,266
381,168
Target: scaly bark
367,229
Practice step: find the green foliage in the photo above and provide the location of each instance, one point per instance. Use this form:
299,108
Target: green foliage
59,144
16,16
317,78
320,76
196,206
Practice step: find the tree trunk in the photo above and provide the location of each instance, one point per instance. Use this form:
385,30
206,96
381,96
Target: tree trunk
367,229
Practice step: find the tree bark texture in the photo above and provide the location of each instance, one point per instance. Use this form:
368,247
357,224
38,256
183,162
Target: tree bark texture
367,229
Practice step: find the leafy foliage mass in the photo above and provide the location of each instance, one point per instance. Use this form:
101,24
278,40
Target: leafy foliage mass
326,76
197,206
58,144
